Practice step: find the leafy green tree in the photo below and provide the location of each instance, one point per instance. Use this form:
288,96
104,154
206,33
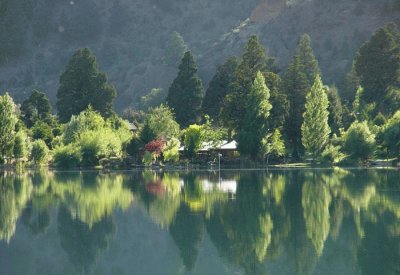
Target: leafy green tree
253,60
219,88
254,126
335,110
273,145
186,92
8,121
81,85
171,150
176,48
359,142
36,107
87,120
297,81
193,139
211,133
21,145
39,152
42,130
378,63
315,128
161,121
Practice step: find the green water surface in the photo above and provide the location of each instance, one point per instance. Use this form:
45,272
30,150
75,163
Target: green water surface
331,221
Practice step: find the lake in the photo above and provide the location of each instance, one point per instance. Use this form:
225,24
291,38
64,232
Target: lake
323,221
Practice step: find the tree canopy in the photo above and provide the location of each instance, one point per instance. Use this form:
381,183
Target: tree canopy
186,92
81,85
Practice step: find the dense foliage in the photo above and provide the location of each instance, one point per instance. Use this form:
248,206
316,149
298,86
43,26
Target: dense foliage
286,115
81,85
186,92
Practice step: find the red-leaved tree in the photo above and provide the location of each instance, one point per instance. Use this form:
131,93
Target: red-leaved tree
155,147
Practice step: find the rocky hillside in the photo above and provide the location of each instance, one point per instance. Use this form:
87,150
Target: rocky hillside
337,29
129,37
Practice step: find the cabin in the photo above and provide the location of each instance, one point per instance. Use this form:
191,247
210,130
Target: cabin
132,127
209,151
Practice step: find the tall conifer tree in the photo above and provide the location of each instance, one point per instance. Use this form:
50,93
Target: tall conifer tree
315,128
254,60
378,63
186,93
219,88
81,85
297,81
254,126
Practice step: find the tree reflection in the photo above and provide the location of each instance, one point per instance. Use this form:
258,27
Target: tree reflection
187,231
81,242
292,216
315,201
91,197
162,209
15,191
241,229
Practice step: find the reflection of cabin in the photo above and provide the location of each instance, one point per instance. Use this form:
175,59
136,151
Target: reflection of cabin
209,151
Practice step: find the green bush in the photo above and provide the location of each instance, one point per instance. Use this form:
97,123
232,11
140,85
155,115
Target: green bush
331,155
67,156
41,130
148,158
359,142
171,150
39,152
92,148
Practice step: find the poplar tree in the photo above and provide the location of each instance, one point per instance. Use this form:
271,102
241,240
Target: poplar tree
186,93
254,126
315,128
297,81
81,85
8,120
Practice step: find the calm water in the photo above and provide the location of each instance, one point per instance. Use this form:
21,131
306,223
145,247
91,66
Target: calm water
276,222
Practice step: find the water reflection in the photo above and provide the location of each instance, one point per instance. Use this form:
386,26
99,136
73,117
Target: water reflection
277,222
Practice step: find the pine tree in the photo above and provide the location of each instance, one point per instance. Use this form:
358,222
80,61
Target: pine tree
315,128
219,88
278,99
81,85
186,93
254,126
8,120
36,107
254,60
378,63
297,81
